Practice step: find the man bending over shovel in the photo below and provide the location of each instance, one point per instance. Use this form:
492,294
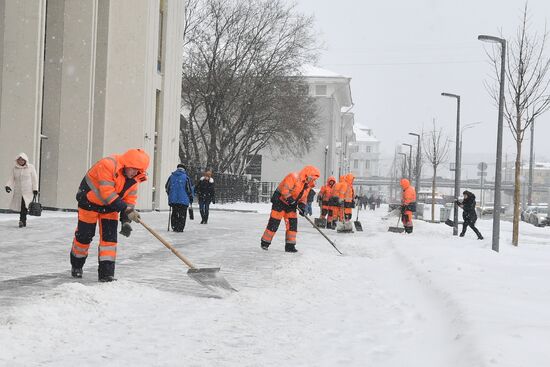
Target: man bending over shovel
291,194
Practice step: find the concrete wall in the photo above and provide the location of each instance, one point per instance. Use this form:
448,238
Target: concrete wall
100,84
20,109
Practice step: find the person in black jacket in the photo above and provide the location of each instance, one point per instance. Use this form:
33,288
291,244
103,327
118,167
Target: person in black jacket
205,193
469,215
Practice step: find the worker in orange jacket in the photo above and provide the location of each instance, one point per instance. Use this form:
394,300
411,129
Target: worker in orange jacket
108,188
408,204
338,194
324,196
291,194
349,196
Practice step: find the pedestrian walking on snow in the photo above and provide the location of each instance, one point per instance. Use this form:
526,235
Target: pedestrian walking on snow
310,198
23,182
110,187
469,215
180,195
206,194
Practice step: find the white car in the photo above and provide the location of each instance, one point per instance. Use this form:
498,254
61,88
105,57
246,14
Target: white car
538,216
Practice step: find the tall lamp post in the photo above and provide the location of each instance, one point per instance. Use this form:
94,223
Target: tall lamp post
417,184
457,159
498,168
404,169
410,159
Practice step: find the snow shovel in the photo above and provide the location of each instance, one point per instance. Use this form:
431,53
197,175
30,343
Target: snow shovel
169,217
396,229
321,232
207,277
357,224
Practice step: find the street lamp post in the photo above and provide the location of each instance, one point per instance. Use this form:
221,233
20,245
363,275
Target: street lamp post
457,159
418,164
410,159
404,169
498,168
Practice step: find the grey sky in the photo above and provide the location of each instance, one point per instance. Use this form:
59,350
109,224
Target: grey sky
402,54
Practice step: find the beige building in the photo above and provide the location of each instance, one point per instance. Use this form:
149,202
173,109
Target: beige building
82,79
365,153
332,93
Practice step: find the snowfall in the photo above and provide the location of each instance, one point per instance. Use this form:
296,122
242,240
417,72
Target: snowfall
426,299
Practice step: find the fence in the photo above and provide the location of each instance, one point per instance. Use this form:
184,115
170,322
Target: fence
231,188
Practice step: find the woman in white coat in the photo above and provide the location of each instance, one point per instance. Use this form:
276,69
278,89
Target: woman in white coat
24,184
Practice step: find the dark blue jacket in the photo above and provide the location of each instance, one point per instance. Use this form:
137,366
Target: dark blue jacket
179,188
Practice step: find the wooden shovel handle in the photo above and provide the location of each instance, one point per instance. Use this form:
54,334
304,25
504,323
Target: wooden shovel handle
167,244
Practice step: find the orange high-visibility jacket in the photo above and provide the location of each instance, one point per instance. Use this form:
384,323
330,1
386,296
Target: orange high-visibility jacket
350,193
326,191
293,184
409,193
340,188
108,184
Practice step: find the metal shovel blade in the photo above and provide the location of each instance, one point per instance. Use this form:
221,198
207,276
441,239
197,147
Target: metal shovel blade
344,227
396,229
210,278
358,226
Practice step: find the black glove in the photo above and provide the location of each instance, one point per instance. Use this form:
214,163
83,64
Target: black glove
126,229
291,201
8,189
302,209
402,208
35,192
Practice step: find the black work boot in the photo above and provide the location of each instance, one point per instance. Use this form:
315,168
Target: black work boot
76,272
290,247
22,224
106,271
461,234
264,245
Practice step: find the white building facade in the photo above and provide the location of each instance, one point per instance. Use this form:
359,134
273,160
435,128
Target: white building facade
83,79
365,154
332,93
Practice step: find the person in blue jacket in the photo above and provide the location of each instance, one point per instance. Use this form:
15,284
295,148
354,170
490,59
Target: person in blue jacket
179,188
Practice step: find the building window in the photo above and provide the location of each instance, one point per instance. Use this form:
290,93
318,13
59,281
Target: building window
354,149
321,90
367,164
355,163
160,36
368,148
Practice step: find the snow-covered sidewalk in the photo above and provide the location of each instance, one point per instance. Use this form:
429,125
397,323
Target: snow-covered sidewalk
426,299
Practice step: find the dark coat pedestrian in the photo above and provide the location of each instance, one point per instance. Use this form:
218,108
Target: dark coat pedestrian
469,215
310,198
206,195
179,188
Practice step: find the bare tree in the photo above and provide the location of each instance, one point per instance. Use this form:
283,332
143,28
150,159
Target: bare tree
436,150
526,98
241,88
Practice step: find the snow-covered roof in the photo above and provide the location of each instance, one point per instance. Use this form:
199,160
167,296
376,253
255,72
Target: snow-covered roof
362,134
311,71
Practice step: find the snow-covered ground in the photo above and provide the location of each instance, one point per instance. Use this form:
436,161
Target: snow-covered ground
426,299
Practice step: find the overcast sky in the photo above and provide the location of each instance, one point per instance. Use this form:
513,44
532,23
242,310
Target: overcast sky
402,54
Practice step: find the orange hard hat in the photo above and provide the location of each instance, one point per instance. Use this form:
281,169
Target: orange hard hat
135,158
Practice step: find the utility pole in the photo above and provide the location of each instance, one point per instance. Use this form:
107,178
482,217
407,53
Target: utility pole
531,163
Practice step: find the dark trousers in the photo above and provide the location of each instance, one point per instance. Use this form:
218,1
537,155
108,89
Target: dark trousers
23,213
179,217
204,207
472,225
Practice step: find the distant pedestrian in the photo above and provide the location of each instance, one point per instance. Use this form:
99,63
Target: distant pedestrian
206,194
179,188
469,215
310,198
378,202
24,183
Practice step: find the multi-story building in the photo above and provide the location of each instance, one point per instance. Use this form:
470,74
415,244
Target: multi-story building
82,79
332,93
365,154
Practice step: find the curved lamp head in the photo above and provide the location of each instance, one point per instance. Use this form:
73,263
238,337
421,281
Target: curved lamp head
491,39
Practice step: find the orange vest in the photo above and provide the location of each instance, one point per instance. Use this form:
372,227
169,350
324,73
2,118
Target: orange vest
292,186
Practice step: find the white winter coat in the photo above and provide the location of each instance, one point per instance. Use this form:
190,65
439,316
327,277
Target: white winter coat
22,182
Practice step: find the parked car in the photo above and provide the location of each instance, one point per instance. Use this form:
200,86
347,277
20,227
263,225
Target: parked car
526,212
538,216
488,208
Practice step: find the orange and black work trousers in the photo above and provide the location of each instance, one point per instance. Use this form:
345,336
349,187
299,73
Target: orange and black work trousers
407,219
85,231
326,211
280,210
